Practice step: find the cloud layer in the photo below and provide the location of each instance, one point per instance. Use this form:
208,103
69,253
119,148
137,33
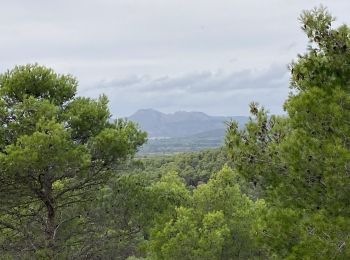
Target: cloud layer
217,93
174,54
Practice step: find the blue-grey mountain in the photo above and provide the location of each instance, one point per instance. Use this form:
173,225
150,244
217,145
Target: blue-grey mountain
182,131
181,123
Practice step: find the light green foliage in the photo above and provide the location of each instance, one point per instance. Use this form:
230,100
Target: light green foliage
39,82
55,151
167,193
217,225
189,238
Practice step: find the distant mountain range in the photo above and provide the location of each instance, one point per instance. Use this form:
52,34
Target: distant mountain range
181,123
182,131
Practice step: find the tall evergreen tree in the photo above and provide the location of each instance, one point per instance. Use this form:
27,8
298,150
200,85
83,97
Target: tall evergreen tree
55,150
302,161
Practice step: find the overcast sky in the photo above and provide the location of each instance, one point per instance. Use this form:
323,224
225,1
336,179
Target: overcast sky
214,56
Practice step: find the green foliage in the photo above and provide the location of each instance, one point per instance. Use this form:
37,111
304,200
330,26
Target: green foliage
86,117
194,167
301,162
217,224
55,152
127,208
255,149
117,218
187,238
324,65
38,82
167,193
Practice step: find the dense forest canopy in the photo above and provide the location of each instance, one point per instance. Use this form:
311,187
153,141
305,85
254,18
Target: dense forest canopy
279,188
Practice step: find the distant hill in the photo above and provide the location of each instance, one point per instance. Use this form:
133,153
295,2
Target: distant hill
181,123
182,131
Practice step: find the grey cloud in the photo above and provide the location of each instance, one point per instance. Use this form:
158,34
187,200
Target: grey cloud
214,54
93,30
201,82
211,92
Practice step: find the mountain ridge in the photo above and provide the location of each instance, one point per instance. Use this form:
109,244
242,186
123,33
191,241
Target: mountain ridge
180,123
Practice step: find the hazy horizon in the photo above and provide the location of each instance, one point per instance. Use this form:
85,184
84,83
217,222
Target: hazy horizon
186,111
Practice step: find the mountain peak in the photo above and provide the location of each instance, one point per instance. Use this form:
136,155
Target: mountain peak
146,111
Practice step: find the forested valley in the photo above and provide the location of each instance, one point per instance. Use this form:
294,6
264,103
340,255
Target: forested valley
72,185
